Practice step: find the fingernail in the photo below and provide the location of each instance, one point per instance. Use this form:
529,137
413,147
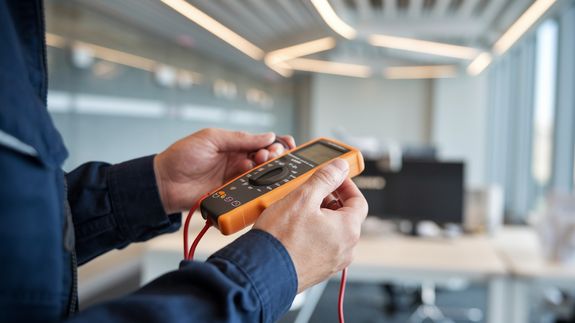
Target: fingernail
341,164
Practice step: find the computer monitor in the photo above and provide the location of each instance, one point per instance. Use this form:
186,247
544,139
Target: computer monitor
421,190
419,153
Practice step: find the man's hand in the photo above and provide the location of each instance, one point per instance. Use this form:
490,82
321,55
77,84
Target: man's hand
320,240
199,163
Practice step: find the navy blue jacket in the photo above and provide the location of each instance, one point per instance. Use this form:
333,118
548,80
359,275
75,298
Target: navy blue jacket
51,221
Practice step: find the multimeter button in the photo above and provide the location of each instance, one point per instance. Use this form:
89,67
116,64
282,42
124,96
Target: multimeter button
270,176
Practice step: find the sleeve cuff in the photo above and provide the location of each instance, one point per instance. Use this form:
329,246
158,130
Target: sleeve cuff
136,201
267,265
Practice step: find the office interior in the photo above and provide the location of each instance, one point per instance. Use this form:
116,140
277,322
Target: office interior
464,111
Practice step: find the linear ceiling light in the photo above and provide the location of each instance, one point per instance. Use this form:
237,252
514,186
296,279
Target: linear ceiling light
479,64
299,50
115,56
420,72
119,57
423,46
333,20
345,69
527,19
281,68
56,41
275,59
216,28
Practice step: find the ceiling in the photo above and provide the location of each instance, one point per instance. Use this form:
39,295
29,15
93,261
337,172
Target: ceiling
274,24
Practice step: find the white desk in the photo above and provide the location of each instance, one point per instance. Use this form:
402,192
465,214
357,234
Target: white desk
418,260
470,257
377,260
530,272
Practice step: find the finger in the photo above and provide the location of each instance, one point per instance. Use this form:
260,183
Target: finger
245,166
275,150
347,190
327,200
354,204
239,141
326,180
331,202
261,156
288,140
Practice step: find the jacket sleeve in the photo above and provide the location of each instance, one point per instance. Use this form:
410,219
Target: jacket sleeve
115,205
251,280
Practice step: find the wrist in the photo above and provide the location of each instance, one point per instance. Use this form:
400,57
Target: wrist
162,185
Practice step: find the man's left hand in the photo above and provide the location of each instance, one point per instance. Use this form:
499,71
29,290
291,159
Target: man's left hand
204,160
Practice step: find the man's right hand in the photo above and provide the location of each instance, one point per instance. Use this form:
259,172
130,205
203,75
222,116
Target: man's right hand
319,240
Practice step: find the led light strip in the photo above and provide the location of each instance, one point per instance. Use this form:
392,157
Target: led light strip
119,57
55,41
423,46
215,27
277,58
479,64
113,55
333,20
327,67
299,50
420,72
519,27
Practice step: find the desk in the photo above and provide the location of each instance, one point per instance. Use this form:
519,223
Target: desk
521,250
407,259
377,260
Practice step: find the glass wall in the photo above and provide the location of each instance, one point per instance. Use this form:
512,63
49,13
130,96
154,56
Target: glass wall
532,117
117,91
544,104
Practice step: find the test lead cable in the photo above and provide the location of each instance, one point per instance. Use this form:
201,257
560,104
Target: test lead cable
341,295
198,238
188,252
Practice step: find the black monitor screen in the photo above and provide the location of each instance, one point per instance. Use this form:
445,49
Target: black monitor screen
421,190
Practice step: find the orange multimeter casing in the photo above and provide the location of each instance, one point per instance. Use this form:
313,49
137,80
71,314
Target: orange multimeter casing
239,202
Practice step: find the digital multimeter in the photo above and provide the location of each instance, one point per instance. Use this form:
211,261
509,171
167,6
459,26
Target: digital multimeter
239,202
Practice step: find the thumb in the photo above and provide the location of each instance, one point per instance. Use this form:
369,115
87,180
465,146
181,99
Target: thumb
326,180
241,141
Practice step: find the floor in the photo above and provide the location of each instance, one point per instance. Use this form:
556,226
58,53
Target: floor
365,303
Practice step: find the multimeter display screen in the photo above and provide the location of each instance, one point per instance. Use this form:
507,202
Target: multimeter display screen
318,153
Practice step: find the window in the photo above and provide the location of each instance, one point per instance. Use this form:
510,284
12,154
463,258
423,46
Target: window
544,103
